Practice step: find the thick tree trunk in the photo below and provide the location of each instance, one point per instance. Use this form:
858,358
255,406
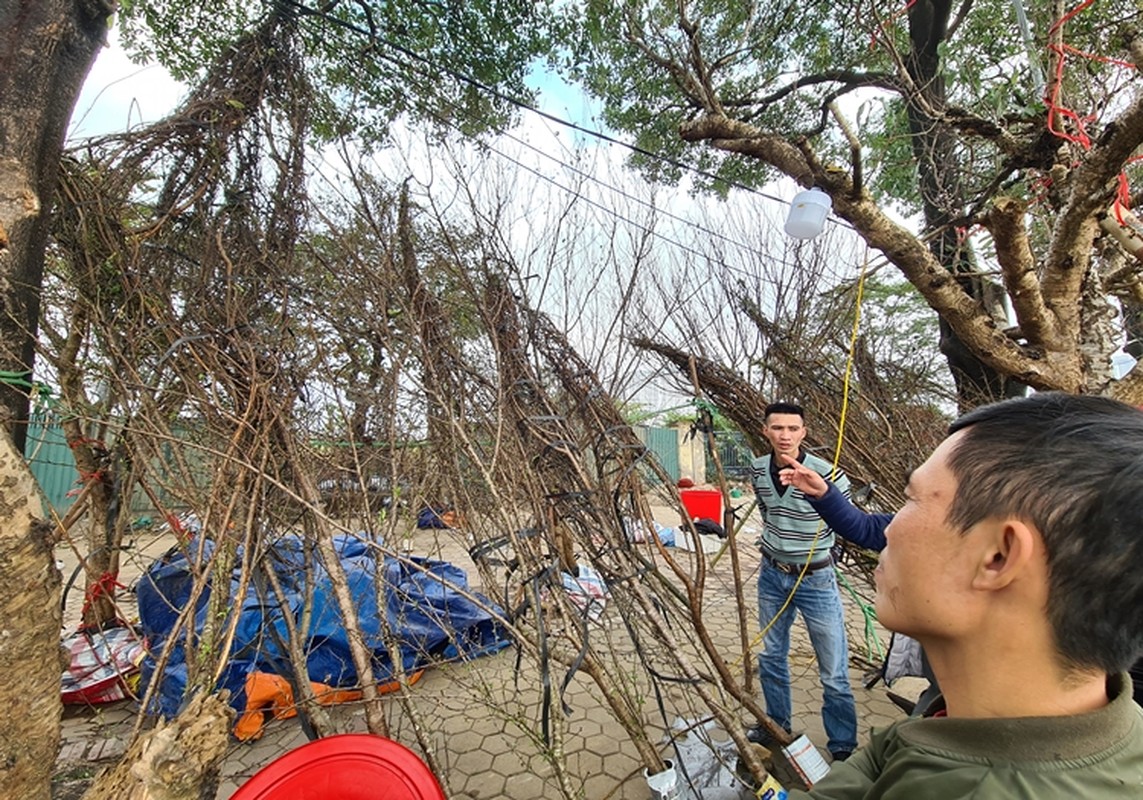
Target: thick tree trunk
942,199
177,760
30,643
47,48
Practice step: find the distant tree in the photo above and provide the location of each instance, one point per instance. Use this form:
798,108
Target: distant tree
1016,153
367,65
363,64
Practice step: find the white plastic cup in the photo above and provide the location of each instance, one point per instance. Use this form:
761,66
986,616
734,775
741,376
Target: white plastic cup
808,213
664,785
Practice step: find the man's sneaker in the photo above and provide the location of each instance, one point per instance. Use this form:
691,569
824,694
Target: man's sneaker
841,755
760,734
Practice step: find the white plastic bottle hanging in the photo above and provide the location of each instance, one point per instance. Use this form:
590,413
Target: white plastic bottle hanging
808,213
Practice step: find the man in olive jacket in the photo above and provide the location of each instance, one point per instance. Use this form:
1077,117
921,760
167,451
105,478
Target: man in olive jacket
1017,562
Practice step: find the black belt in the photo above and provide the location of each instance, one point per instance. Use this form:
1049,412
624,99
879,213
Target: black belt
796,569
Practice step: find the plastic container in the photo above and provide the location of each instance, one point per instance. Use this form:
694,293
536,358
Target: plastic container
702,503
808,213
664,785
350,766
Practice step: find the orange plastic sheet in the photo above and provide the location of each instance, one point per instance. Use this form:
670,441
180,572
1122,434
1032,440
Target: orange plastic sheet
270,696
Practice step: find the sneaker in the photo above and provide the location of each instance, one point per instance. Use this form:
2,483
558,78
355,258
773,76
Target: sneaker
841,755
760,735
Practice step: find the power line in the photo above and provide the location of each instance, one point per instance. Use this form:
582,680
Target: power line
644,228
624,193
685,247
376,38
427,62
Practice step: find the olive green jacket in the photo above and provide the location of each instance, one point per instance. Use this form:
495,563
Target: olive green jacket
1091,756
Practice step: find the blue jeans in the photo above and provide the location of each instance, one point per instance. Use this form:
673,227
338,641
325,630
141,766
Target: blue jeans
818,599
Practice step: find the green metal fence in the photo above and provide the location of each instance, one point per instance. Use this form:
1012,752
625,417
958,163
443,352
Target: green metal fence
734,453
664,443
51,460
54,468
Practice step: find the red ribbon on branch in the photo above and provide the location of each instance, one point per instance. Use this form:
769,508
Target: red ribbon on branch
104,586
1057,112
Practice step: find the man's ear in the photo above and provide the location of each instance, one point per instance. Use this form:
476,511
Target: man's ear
1010,551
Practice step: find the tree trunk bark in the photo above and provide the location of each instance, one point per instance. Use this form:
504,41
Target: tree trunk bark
47,48
942,199
178,760
30,642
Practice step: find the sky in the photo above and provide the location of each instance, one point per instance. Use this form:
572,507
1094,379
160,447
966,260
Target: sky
547,163
119,95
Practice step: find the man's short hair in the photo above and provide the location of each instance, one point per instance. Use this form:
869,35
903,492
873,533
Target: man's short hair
1071,466
784,408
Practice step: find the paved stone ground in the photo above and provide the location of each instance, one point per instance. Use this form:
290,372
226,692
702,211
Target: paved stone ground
484,720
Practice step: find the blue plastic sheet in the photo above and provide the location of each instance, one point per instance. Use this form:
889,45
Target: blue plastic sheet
426,610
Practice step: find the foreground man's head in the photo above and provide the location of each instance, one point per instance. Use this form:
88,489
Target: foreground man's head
1025,528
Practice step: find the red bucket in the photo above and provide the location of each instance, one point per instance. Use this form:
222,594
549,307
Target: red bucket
702,504
350,766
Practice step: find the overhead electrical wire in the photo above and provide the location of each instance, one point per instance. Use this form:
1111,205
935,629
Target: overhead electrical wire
434,71
636,199
769,257
644,228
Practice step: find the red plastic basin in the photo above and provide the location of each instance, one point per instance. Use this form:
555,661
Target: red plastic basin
350,766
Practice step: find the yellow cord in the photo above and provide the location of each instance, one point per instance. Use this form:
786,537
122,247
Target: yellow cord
836,455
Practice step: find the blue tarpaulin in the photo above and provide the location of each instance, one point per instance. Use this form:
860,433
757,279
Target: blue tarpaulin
427,612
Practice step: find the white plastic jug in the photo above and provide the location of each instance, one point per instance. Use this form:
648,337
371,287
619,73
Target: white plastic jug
808,213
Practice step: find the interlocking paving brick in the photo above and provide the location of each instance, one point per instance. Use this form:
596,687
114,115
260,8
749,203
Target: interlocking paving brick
486,784
483,718
73,751
106,749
